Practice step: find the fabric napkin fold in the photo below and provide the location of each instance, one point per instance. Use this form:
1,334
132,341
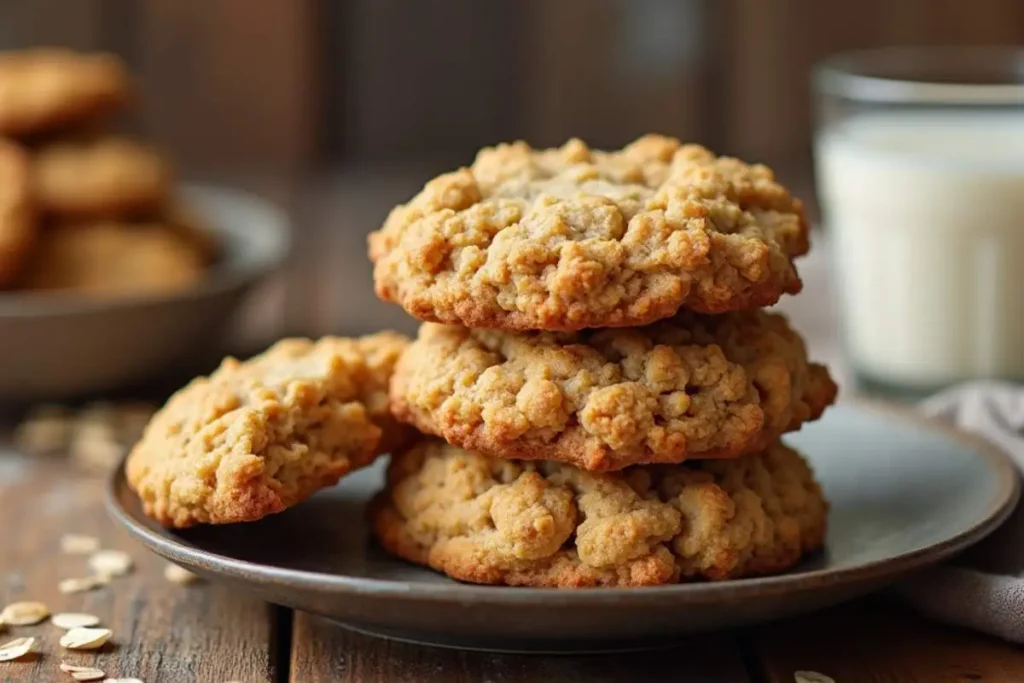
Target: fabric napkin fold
983,588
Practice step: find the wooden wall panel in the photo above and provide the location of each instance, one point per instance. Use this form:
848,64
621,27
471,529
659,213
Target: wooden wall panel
30,23
766,51
231,84
431,79
437,80
609,70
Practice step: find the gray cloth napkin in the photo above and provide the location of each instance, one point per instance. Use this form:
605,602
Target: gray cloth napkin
982,589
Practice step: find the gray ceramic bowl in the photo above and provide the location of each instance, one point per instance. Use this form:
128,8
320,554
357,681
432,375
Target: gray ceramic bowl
60,345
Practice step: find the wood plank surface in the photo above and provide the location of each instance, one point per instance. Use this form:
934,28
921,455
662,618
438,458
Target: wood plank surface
323,652
163,632
873,641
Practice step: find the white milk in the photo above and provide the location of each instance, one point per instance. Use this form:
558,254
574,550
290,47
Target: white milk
926,212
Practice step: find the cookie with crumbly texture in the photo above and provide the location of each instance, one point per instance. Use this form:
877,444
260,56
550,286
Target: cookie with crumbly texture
18,228
692,386
539,523
107,177
45,90
570,238
257,437
110,258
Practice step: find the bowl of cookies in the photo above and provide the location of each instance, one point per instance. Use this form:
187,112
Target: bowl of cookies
110,271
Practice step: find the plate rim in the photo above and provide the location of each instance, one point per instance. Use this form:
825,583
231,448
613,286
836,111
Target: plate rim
1008,494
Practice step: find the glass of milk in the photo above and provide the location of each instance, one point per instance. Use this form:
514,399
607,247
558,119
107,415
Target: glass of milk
919,156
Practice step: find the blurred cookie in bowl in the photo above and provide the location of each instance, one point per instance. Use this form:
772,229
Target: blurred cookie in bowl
111,257
46,90
111,274
104,177
104,304
17,222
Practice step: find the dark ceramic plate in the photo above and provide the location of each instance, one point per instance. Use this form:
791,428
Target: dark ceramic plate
905,493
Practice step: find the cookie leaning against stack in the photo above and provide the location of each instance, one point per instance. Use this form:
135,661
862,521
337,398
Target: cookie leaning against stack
259,436
621,395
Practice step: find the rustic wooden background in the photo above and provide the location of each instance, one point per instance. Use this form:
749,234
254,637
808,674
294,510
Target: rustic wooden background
292,85
339,109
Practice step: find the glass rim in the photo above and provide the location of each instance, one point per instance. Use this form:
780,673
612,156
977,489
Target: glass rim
847,75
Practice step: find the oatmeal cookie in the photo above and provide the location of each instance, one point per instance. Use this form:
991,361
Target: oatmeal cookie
107,177
17,219
539,523
569,238
50,89
259,436
111,258
692,386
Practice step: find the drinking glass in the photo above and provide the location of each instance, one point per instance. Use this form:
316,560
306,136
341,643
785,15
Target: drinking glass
919,162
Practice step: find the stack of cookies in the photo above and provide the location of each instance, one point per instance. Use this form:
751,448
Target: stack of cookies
80,208
595,399
603,393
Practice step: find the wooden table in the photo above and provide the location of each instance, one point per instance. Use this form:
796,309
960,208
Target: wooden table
167,633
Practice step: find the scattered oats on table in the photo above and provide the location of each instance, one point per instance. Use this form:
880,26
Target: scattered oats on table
179,575
95,437
70,620
95,447
79,544
81,585
111,563
16,649
82,673
24,613
811,677
85,638
46,430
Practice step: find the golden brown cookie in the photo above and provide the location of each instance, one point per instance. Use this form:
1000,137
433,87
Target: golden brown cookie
50,89
106,177
689,387
538,523
17,215
259,436
570,238
110,258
